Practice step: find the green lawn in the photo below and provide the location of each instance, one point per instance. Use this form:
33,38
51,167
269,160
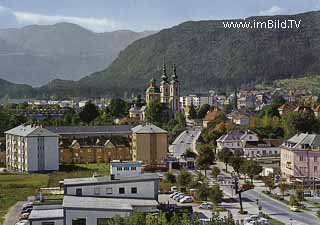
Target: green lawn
14,187
313,203
276,222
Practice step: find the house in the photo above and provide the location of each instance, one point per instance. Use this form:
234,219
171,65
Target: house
236,139
241,119
31,148
262,147
137,112
149,143
91,201
287,107
300,156
94,150
51,214
125,168
210,116
93,144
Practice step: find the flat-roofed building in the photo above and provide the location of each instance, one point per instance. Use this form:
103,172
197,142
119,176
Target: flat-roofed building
93,200
149,143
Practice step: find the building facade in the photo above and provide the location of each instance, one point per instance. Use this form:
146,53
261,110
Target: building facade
149,143
168,93
31,149
300,156
92,201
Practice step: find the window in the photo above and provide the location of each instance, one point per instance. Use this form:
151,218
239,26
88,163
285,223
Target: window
126,168
133,168
301,158
79,192
103,221
315,158
121,190
47,223
96,191
134,190
119,168
109,191
315,168
79,221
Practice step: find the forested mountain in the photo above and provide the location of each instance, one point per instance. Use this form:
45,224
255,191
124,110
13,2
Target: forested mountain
207,56
37,54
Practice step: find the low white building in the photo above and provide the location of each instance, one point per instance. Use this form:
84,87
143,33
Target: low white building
264,147
31,148
126,168
196,101
137,112
46,215
93,200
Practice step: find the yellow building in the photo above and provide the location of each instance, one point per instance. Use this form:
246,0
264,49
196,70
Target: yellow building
149,143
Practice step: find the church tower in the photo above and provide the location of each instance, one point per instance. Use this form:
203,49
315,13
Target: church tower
174,91
164,86
152,92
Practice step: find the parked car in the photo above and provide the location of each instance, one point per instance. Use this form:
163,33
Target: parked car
307,194
177,198
294,208
27,207
186,199
28,204
24,216
206,205
174,194
23,222
174,189
27,210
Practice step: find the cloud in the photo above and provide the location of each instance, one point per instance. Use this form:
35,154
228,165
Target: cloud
274,10
11,18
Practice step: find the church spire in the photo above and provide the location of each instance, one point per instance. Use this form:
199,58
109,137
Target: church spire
174,74
164,72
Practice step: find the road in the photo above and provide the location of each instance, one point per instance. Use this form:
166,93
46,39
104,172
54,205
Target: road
274,208
13,215
185,140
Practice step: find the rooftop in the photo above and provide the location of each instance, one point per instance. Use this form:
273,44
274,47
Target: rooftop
303,140
105,203
107,179
31,131
148,129
46,214
121,129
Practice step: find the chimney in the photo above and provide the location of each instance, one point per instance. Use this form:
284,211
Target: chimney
112,177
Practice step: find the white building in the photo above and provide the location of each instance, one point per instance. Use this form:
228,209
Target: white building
46,215
137,112
196,101
125,169
93,200
236,139
264,147
31,149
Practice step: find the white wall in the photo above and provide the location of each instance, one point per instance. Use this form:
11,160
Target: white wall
32,154
56,222
91,216
51,153
145,189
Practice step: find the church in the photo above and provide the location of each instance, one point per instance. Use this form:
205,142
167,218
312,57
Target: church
169,91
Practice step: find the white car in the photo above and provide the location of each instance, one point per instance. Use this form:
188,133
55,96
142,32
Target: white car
174,194
186,199
178,197
294,208
206,205
23,222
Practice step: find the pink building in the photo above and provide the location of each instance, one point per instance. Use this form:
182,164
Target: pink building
300,156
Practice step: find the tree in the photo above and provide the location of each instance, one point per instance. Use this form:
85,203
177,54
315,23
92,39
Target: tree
170,177
278,101
236,161
283,186
206,157
293,200
215,171
192,112
235,101
225,156
215,195
203,111
118,108
251,168
89,112
202,193
154,112
184,179
269,182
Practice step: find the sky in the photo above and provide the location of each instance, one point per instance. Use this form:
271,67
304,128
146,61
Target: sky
140,15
